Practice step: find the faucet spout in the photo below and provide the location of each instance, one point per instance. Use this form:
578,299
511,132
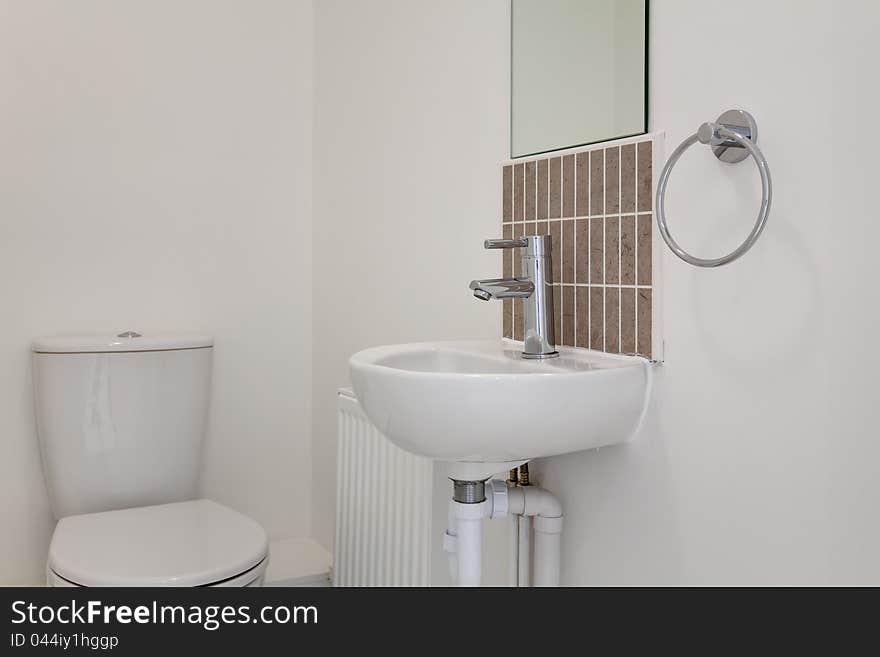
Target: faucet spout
482,295
502,288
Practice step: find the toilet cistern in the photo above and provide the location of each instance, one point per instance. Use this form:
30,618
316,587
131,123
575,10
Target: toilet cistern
534,287
121,419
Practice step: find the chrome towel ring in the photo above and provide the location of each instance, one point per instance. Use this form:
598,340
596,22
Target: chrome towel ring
733,137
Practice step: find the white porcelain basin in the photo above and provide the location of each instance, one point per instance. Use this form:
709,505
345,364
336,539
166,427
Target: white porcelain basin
480,404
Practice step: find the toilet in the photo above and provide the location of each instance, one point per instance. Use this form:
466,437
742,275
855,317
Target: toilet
121,421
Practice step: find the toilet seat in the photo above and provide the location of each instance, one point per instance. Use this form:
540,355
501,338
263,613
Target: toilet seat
195,543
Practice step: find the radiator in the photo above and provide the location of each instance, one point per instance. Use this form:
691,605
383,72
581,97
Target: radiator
383,506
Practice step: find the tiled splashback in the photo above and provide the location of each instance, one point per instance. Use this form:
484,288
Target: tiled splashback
597,206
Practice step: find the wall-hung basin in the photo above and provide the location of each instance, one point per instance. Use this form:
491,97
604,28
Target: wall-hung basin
481,406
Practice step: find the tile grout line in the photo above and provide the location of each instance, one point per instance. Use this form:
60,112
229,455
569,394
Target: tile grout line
513,259
510,223
561,250
636,250
604,248
549,193
574,255
513,256
619,250
589,326
585,216
623,286
561,246
536,195
522,182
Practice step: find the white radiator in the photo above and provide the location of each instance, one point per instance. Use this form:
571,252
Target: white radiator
383,506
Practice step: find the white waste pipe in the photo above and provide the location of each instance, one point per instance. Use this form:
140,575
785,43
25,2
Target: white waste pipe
513,557
463,540
469,541
524,548
450,541
547,511
548,544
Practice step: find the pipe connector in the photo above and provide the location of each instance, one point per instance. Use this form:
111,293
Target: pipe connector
545,525
468,492
533,501
497,497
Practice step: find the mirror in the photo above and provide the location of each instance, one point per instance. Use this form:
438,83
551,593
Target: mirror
579,72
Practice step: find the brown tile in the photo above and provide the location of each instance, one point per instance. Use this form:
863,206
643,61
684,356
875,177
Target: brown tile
517,319
508,317
568,315
542,228
597,317
543,188
555,193
582,318
643,313
557,313
530,191
612,320
612,180
597,251
582,185
518,192
644,273
597,182
507,254
506,193
628,250
582,251
529,228
612,250
628,320
568,252
518,231
628,178
568,186
643,178
556,249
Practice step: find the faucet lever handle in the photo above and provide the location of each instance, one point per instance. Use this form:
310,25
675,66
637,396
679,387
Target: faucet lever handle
506,244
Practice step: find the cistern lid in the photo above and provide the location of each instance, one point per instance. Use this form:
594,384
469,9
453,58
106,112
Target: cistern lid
120,341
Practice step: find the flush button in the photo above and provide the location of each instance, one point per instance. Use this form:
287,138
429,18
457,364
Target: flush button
130,334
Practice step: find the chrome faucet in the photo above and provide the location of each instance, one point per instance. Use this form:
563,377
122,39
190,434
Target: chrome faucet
534,288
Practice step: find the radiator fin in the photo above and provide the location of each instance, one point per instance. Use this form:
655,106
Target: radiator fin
383,507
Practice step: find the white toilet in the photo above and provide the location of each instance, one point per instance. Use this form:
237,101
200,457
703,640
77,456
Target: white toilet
121,422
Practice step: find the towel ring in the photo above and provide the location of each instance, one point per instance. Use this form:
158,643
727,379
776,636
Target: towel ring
733,138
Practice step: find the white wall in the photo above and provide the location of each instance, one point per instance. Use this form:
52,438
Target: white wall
410,124
155,172
759,460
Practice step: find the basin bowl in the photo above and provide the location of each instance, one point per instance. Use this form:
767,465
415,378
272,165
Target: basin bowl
480,402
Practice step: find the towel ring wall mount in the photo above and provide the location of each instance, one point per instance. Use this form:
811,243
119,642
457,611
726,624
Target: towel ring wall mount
733,138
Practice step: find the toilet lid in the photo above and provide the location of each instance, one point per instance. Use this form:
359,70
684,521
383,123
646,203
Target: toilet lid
181,544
